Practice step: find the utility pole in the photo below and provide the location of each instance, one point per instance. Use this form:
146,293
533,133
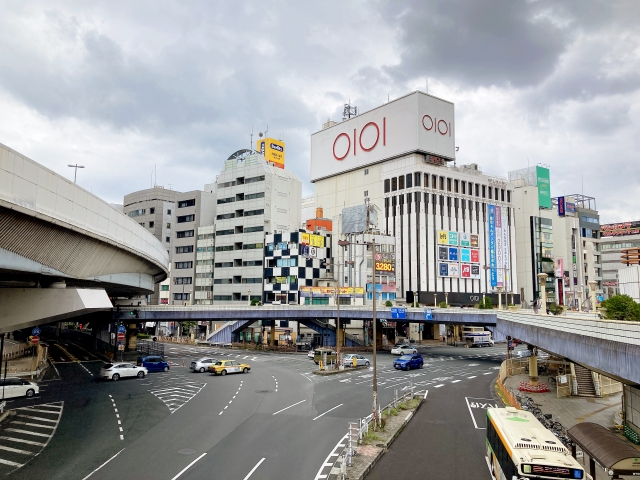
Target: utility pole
375,340
75,174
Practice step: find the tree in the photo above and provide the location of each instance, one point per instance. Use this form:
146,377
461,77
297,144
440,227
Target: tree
187,326
487,305
621,307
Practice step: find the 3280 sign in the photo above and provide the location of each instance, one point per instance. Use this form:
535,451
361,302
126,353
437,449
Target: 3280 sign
385,267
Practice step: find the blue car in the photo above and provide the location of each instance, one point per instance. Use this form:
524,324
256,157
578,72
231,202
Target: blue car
154,363
407,362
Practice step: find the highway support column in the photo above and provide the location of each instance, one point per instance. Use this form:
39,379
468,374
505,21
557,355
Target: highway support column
272,335
533,369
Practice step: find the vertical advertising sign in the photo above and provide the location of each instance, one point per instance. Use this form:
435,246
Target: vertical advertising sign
499,252
544,187
492,246
561,207
505,245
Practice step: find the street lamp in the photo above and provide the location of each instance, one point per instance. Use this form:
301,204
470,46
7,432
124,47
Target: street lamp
75,174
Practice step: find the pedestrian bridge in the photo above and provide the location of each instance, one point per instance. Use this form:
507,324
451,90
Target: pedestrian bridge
64,251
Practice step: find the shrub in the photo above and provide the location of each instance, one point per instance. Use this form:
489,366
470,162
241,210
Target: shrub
556,309
443,305
388,303
621,307
255,302
487,304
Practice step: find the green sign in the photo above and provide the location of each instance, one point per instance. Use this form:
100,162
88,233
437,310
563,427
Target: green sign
544,187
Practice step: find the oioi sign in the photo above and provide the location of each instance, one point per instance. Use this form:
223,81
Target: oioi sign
415,123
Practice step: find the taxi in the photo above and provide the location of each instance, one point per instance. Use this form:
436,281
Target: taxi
222,367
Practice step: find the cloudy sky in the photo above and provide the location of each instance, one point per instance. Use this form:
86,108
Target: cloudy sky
125,87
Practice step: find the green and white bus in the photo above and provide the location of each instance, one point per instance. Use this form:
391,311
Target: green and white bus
520,447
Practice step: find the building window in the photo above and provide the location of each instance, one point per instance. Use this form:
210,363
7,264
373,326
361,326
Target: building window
254,229
179,265
387,186
441,183
137,213
164,288
484,191
187,203
490,189
221,233
169,211
366,193
181,296
455,186
409,180
401,182
204,249
226,200
152,210
186,218
508,196
225,216
182,280
448,184
185,249
259,178
223,265
141,224
250,213
252,263
464,187
167,239
252,196
394,184
426,180
222,281
252,246
366,171
152,224
227,184
185,234
222,298
224,248
416,178
204,262
252,280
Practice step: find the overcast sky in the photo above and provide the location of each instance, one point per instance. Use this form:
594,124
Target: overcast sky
127,87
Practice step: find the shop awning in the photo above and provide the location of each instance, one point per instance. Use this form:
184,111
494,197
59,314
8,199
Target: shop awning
613,454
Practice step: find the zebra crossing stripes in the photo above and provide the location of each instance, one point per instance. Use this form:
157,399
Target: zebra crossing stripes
176,395
27,432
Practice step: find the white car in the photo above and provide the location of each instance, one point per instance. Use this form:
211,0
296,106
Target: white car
202,364
116,371
17,387
347,360
311,353
403,349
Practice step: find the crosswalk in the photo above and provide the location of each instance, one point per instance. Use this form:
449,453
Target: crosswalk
26,432
175,391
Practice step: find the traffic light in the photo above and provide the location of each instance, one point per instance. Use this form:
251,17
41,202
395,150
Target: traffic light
134,313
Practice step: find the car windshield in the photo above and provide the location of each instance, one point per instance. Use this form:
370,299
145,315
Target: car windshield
405,357
218,363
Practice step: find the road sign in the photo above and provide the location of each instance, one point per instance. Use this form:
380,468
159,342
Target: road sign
35,332
428,314
35,339
399,313
120,336
121,347
122,329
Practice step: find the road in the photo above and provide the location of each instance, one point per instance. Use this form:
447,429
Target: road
278,421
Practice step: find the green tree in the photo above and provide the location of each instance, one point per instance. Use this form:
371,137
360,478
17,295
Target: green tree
621,307
487,304
187,326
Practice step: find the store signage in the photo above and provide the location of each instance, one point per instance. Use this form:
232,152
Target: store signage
544,187
448,270
272,150
385,267
620,229
493,264
561,207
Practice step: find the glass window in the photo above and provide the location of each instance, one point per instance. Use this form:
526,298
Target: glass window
137,213
226,200
387,186
187,203
183,264
186,218
252,196
416,178
185,249
409,180
254,229
448,184
401,182
185,234
441,183
259,178
484,191
394,184
250,213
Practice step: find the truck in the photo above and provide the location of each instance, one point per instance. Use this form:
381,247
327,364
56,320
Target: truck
477,337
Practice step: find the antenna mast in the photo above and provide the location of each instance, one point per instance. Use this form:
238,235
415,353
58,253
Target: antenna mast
349,111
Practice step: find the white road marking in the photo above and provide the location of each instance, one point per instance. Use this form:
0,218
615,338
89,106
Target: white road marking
455,381
438,386
16,450
328,411
254,469
473,376
320,475
188,466
286,408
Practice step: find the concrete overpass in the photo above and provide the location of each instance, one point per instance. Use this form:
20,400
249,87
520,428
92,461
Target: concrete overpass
64,251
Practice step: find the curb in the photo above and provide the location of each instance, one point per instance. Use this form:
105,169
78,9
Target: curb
388,443
336,372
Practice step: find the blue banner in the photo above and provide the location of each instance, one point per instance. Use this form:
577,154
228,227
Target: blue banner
492,246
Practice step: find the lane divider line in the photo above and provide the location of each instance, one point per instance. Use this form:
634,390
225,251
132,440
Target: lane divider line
287,408
85,478
188,466
328,411
254,469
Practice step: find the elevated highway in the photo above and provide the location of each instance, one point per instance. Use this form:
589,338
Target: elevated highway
64,251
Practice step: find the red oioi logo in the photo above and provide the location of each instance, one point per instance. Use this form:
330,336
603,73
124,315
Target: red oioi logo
357,139
435,125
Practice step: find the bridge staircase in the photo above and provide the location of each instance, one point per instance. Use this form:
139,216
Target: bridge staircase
324,328
584,377
224,334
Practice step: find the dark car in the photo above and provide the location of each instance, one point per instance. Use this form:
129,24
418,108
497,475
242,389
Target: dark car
154,363
407,362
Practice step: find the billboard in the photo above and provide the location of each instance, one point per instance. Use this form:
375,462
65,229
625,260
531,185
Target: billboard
469,271
448,270
385,263
561,207
414,123
493,264
272,150
543,182
620,229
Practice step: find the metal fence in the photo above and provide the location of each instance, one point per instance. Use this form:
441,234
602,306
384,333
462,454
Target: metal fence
147,347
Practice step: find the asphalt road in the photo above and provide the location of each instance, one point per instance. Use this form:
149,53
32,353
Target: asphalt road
278,421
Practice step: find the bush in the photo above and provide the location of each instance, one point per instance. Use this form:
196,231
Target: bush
621,307
556,309
443,305
388,303
255,302
486,305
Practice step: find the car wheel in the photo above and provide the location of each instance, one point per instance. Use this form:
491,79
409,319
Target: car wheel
166,369
421,365
223,373
30,393
115,377
408,367
245,370
201,369
140,374
366,364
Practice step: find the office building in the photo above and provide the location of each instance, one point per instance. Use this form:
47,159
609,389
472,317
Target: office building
614,238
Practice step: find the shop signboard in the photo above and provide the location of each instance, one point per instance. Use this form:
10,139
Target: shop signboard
453,238
272,150
499,246
453,254
561,207
492,246
465,239
544,187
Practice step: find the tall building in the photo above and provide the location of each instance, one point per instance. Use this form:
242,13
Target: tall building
153,209
193,209
443,217
253,198
615,237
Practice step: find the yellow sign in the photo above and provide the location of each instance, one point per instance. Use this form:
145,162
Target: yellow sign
272,150
304,239
443,237
332,290
316,240
384,267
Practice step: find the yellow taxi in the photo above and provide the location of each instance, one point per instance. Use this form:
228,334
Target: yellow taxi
222,367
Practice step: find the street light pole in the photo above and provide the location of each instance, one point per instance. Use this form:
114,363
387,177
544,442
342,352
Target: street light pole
75,174
375,338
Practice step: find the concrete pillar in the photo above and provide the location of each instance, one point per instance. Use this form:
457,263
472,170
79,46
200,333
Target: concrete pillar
542,277
533,370
272,335
435,300
592,285
499,298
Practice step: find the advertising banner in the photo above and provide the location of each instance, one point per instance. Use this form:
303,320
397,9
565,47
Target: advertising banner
448,270
505,246
469,271
465,255
443,269
385,263
561,207
454,270
443,253
304,238
570,209
499,252
443,237
559,268
492,246
453,238
475,256
544,187
465,239
474,241
453,254
620,229
316,241
272,150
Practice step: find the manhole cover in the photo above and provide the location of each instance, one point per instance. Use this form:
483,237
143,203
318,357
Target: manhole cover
187,451
263,391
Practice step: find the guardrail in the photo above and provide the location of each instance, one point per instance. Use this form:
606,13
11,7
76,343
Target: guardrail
13,352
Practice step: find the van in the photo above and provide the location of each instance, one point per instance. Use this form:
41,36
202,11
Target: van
327,355
153,363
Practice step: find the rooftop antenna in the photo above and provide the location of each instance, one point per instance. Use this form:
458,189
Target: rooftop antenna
266,132
349,111
251,139
427,85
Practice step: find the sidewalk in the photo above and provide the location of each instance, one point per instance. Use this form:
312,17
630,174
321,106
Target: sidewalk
572,410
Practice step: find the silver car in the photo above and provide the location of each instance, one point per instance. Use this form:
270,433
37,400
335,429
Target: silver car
202,364
361,361
116,371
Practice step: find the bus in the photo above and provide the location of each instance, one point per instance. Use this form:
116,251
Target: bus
520,447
